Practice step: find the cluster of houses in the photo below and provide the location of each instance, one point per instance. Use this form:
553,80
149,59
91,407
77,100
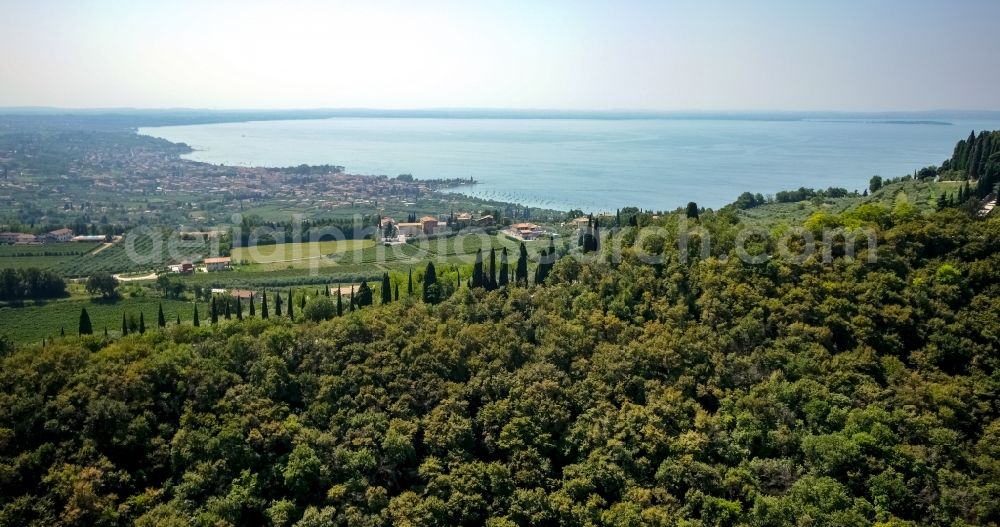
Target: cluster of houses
395,233
58,235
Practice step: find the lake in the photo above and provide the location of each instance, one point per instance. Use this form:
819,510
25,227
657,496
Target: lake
591,164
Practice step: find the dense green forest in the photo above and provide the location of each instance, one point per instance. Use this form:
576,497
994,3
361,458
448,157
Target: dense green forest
705,392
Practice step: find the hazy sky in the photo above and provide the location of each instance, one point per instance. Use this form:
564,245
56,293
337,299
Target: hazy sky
668,55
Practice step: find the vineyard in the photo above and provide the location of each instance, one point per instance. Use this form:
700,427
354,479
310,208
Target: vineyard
45,256
45,320
147,250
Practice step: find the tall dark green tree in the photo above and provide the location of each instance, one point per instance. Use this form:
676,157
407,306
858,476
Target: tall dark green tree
431,289
161,320
409,283
365,295
692,210
85,326
253,310
504,269
291,306
124,325
239,308
521,269
229,309
277,303
263,305
396,291
142,323
477,271
354,303
491,280
340,303
178,319
213,312
597,237
197,321
386,289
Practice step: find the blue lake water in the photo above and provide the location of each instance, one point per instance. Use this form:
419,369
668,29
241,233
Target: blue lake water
592,164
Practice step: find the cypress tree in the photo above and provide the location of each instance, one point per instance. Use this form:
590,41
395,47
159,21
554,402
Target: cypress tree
340,303
178,319
197,322
105,331
62,332
364,295
253,310
597,238
302,300
409,284
291,305
430,284
142,323
477,270
124,325
353,303
263,305
492,283
239,308
542,271
85,327
213,312
396,291
229,308
327,290
386,289
521,271
161,320
277,303
504,269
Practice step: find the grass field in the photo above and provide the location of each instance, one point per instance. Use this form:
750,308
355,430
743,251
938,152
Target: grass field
42,256
31,323
296,255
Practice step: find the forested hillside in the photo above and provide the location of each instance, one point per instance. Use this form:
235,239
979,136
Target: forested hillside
698,393
978,159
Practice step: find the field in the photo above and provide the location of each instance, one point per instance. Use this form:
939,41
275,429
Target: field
296,255
139,251
31,323
44,256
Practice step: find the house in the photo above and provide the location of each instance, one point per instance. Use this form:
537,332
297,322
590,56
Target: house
60,235
464,219
217,264
19,238
187,267
430,224
410,229
582,221
525,231
486,221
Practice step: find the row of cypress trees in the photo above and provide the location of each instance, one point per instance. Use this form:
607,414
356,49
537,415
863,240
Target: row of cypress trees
489,278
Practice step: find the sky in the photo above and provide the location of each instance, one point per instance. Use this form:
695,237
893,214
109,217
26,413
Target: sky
709,55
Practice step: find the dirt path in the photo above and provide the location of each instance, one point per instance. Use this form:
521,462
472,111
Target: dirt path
101,248
121,278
